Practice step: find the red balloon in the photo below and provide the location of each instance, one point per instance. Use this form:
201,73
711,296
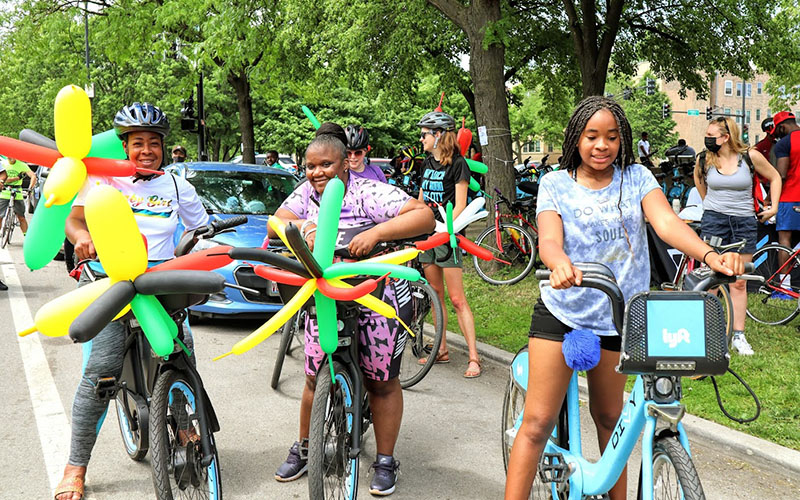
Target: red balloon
354,293
108,167
434,241
204,260
279,275
27,152
472,248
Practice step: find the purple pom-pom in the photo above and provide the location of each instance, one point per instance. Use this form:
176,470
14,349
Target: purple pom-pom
581,349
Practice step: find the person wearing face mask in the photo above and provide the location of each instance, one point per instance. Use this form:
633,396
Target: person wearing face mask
724,178
178,154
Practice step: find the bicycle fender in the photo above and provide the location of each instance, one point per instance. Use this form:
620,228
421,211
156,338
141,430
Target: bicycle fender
101,312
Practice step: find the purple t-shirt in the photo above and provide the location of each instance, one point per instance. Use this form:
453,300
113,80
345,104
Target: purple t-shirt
371,171
366,204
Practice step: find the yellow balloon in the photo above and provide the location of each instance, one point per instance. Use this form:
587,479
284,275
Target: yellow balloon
276,321
73,122
64,180
398,257
279,227
115,234
53,318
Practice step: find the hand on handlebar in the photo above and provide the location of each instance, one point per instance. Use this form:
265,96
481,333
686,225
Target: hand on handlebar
565,276
363,243
729,263
84,248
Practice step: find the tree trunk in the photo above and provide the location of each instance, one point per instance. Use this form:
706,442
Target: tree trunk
244,104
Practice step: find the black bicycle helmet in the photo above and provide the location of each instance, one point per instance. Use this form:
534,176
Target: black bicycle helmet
357,137
437,120
140,117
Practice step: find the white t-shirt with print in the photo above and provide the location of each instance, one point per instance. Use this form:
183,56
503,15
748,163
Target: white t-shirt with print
157,205
644,146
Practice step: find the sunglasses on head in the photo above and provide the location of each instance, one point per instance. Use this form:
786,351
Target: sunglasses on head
724,122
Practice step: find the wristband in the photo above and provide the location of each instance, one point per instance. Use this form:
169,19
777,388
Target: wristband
304,225
706,255
305,235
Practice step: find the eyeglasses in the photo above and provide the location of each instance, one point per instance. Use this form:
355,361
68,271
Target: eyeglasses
356,152
311,168
423,134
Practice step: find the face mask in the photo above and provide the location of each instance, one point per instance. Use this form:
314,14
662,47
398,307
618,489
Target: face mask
711,144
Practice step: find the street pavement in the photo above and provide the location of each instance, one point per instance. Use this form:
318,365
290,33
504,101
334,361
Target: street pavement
449,445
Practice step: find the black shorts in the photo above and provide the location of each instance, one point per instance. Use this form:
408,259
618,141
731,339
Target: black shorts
546,326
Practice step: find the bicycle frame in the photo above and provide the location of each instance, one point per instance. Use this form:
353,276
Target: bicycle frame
498,216
781,270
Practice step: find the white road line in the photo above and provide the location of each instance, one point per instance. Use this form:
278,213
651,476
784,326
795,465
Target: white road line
51,421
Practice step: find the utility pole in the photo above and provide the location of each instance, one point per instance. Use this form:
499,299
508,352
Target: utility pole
201,122
89,86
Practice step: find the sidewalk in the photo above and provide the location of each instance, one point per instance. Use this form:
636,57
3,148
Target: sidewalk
739,442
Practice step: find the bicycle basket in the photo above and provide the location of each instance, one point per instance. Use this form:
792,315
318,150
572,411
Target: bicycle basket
674,333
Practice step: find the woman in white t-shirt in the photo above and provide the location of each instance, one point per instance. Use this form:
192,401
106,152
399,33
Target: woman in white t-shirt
158,202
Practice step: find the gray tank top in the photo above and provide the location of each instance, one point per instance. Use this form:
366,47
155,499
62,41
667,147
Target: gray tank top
730,194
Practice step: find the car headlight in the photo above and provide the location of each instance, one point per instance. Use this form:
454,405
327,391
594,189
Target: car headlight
204,244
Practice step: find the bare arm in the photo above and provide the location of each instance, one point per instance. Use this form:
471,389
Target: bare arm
551,250
782,167
461,198
699,181
414,219
78,233
765,169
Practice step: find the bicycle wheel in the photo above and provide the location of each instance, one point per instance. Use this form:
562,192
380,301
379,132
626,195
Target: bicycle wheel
516,254
8,226
177,471
332,473
674,475
424,344
135,430
774,302
287,332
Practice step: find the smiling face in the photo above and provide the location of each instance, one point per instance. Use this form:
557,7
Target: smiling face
323,163
145,149
599,143
428,139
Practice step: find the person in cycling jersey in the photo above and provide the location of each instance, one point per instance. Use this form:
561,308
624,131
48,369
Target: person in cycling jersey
158,203
357,149
12,172
372,212
593,210
445,179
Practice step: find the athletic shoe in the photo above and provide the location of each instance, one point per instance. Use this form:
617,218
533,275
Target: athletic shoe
296,463
781,296
385,477
741,345
3,286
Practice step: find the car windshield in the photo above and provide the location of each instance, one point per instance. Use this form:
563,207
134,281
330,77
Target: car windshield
227,192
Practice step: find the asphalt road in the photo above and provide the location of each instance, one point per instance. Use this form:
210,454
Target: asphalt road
449,446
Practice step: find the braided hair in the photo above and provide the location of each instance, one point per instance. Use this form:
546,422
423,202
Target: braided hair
577,123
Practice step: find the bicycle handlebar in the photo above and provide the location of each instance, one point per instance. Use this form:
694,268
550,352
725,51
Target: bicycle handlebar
188,239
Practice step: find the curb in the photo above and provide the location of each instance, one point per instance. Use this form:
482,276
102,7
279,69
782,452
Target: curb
731,439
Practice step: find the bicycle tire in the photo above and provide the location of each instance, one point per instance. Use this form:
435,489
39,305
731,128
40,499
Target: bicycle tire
671,459
286,339
173,409
134,437
765,306
521,256
8,226
422,345
331,471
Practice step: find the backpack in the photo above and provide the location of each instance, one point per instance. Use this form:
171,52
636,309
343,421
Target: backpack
758,195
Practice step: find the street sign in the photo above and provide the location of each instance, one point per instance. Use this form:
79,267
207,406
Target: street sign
693,112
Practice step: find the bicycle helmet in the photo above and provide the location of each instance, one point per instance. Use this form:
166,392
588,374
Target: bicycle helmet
140,117
437,120
357,137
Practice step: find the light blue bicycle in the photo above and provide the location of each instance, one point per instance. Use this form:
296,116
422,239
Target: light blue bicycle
666,335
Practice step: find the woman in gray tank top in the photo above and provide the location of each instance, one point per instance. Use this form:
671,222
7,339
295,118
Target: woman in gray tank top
725,182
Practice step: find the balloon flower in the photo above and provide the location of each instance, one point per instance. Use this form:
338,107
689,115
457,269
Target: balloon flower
318,276
311,117
121,250
69,168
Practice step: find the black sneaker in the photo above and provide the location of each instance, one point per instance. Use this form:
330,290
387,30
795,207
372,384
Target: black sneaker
385,475
3,286
296,463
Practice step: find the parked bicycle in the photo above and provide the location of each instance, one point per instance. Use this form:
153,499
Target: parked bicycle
513,243
9,217
775,302
161,402
653,410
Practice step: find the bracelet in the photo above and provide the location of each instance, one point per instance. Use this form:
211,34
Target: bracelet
304,225
305,235
706,255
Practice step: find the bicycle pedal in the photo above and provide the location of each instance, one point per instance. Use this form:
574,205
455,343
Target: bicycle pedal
553,468
106,388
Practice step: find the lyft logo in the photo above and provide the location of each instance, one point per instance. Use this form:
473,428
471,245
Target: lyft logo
673,339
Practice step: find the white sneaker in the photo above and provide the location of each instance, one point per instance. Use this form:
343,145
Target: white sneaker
741,345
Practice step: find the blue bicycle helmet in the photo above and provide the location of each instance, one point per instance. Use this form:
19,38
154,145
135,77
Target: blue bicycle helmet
140,117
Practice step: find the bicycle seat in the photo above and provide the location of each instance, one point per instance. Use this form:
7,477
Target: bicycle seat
529,187
524,203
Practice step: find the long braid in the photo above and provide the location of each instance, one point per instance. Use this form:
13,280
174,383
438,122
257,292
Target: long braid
577,123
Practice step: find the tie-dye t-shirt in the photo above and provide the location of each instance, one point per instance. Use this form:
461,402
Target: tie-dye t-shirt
595,231
366,204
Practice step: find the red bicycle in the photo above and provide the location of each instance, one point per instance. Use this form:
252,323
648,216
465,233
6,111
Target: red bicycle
512,240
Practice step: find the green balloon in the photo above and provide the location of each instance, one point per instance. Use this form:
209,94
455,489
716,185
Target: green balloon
156,324
330,208
474,186
45,234
107,145
311,117
449,213
370,269
477,166
327,323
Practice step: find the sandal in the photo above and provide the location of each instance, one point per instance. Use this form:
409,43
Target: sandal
473,374
70,484
441,358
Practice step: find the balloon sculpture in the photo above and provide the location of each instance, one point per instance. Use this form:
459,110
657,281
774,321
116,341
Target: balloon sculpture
130,285
69,168
311,117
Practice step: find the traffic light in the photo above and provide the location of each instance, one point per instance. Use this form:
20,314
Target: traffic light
665,110
188,120
627,93
708,113
746,133
650,86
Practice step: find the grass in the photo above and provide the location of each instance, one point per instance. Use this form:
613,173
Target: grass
503,315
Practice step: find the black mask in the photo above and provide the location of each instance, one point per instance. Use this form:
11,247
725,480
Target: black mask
711,144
